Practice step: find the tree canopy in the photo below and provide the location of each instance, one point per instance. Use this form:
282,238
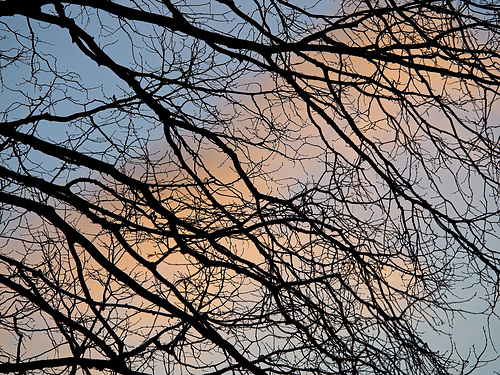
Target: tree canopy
248,187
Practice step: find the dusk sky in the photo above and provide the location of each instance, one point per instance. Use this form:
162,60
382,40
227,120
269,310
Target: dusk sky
236,187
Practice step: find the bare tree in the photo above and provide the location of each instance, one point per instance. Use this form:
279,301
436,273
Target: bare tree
236,187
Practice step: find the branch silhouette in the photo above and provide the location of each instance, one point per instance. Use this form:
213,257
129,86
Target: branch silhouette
259,187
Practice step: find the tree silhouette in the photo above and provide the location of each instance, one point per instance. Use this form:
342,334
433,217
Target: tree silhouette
237,187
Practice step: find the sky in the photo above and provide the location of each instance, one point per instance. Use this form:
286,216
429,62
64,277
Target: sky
466,331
